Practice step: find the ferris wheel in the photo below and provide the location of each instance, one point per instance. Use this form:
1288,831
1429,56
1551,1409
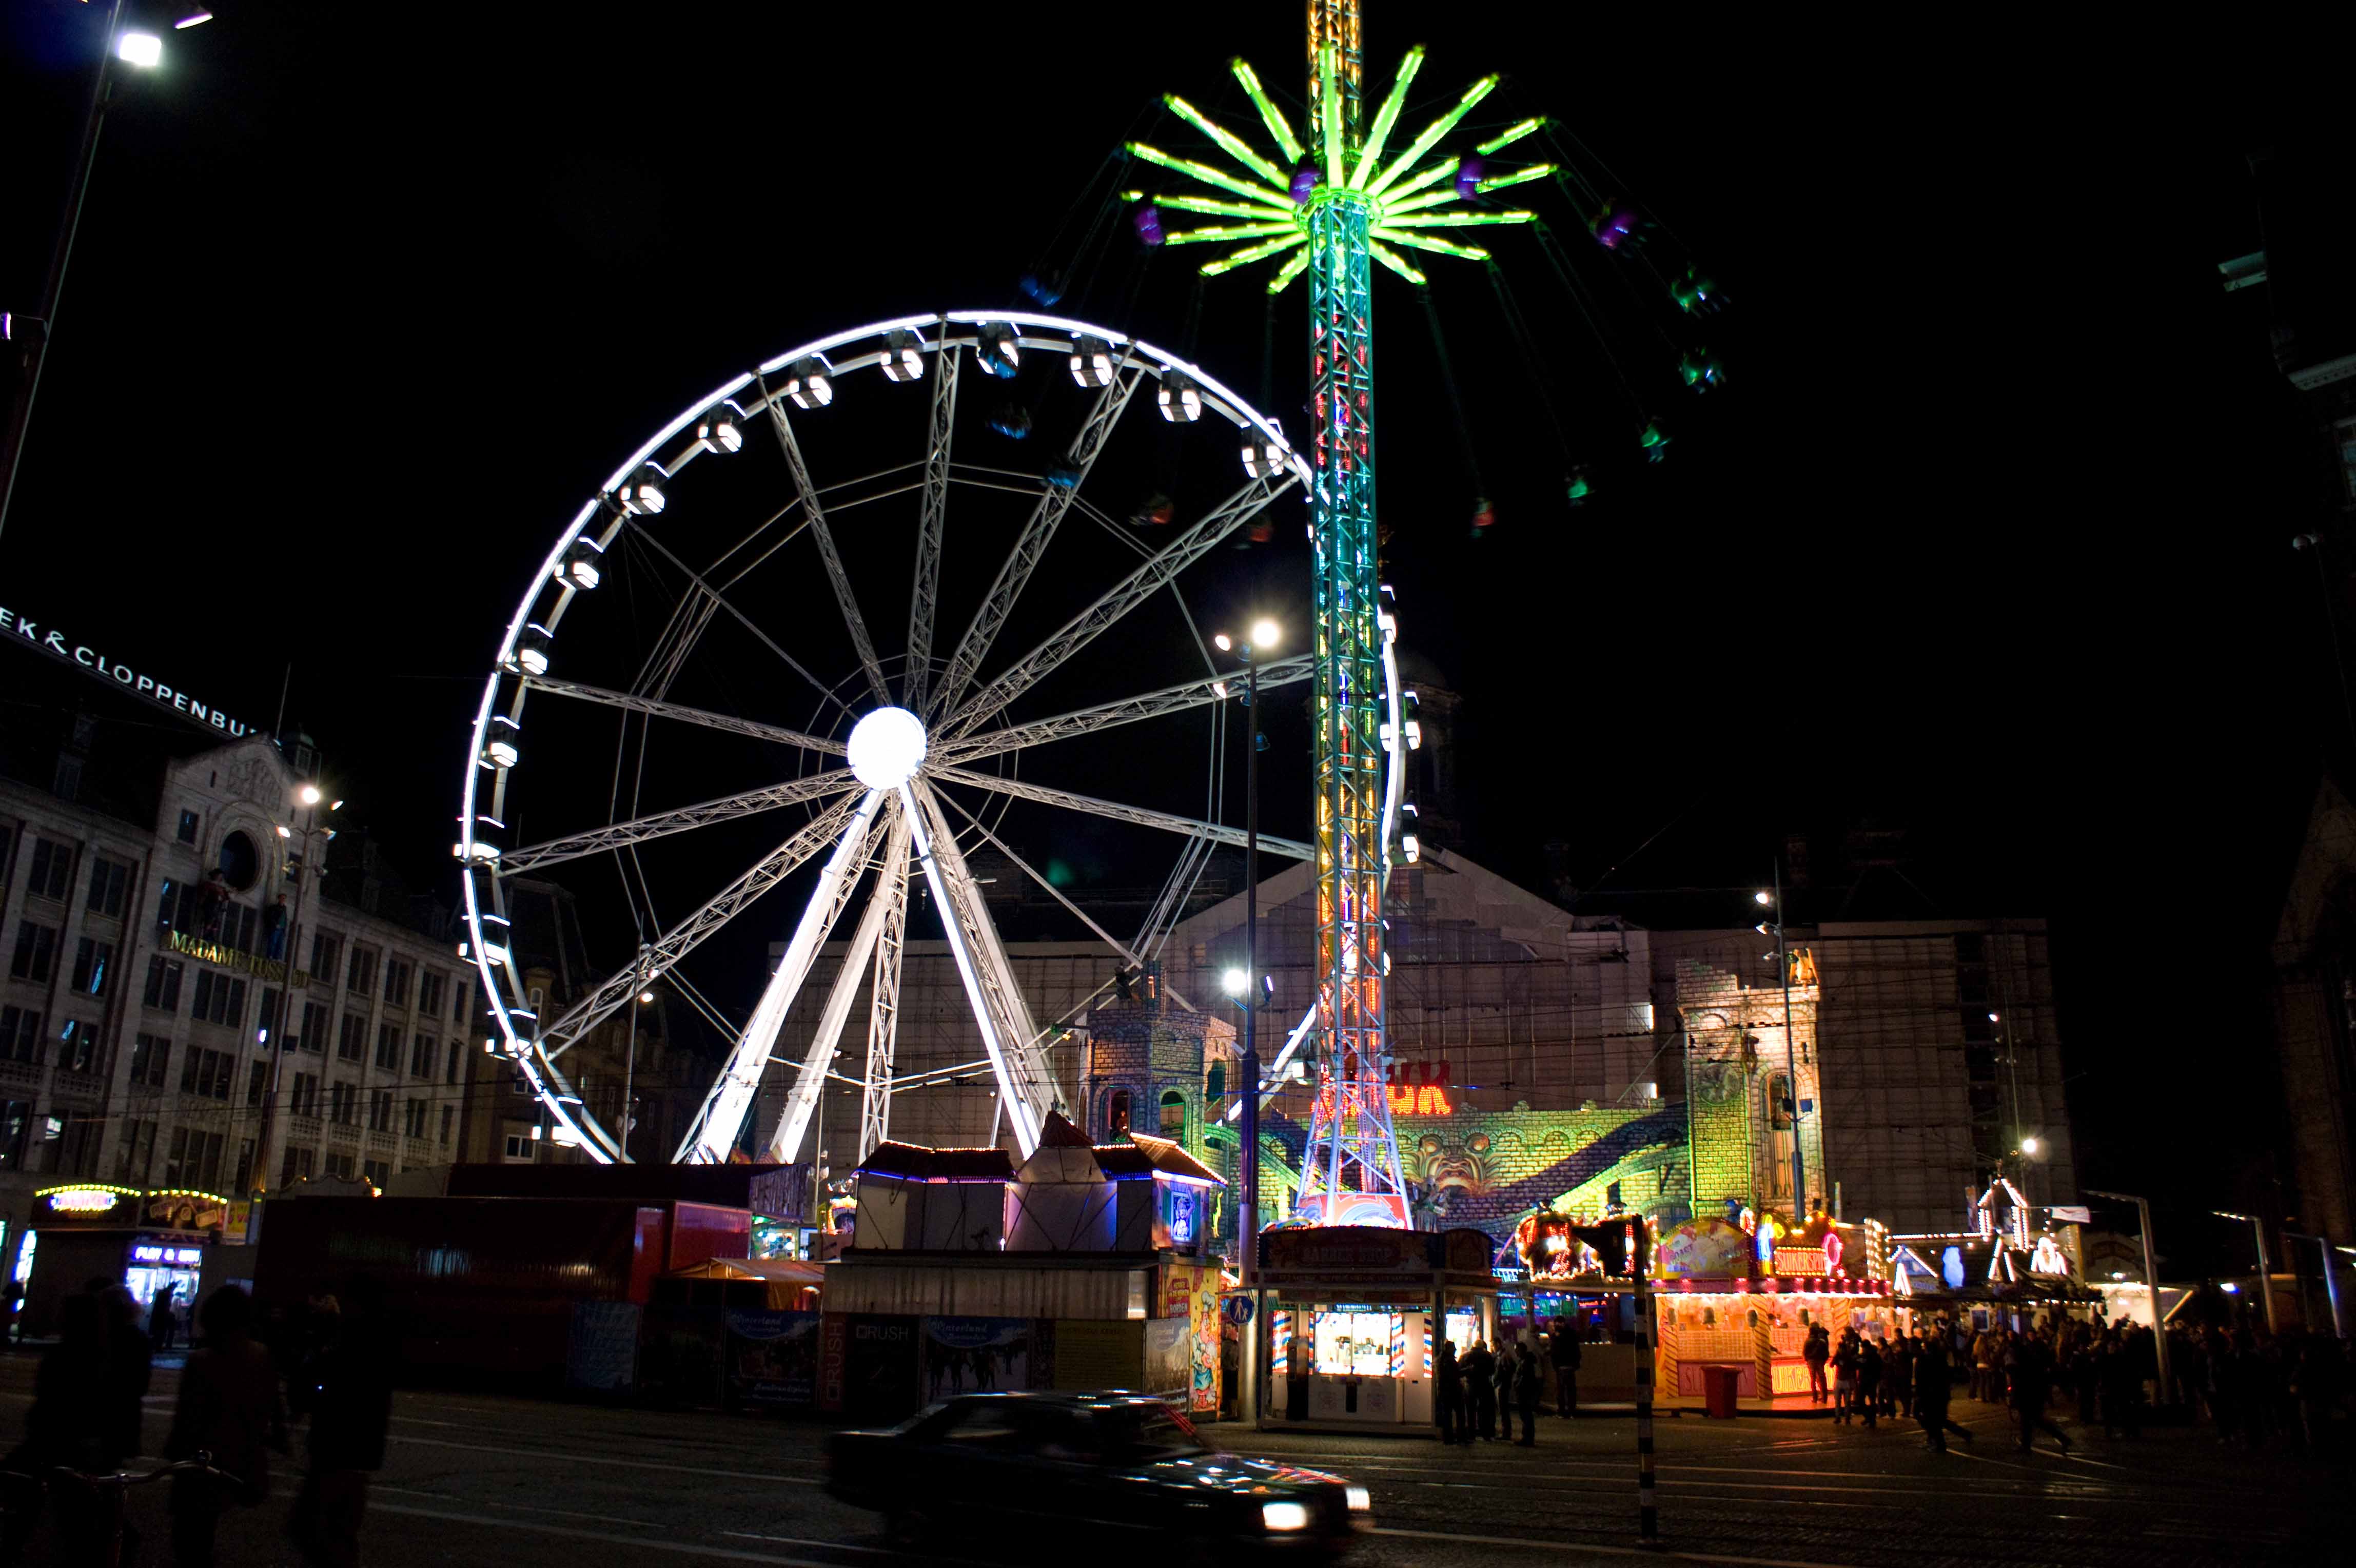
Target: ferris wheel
818,623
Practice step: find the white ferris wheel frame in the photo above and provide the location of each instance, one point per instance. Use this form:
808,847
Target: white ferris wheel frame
907,823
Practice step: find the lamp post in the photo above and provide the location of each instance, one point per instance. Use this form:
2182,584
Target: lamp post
1263,636
273,1126
1791,1055
2150,1283
141,51
2265,1270
2330,1284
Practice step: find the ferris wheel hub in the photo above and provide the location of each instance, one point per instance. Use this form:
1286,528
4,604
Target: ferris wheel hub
887,746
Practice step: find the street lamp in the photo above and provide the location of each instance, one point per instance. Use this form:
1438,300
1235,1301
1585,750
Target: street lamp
308,796
2150,1284
2266,1269
138,50
1774,899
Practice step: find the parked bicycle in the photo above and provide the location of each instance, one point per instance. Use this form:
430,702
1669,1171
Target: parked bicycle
100,1525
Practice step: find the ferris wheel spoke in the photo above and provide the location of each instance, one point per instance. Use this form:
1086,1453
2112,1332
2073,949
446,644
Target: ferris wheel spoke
883,1008
1026,1085
1148,579
1047,887
675,944
1056,499
924,594
828,554
659,708
715,1129
696,579
638,829
1168,821
1150,705
817,1062
680,636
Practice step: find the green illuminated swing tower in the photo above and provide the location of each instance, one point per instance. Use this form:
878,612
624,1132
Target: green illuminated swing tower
1341,208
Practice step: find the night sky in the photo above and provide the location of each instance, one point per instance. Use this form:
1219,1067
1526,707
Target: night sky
1987,537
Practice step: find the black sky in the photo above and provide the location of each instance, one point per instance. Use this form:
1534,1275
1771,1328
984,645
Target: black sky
1987,536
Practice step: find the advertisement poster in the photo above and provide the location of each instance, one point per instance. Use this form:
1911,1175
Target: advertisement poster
1703,1249
772,1357
976,1355
1169,1356
603,1351
1092,1353
1191,1291
880,1372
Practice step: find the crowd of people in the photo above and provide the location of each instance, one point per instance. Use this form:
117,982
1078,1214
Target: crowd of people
2251,1386
333,1366
1476,1395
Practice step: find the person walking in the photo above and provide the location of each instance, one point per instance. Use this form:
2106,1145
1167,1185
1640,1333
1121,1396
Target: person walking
2032,1386
130,1366
67,1425
346,1390
229,1408
1899,1377
1868,1382
1480,1393
1817,1349
1448,1391
1501,1376
1528,1383
160,1317
1845,1381
1933,1381
1562,1349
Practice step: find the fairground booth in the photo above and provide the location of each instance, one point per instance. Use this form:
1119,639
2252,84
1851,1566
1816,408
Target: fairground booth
1350,1316
151,1242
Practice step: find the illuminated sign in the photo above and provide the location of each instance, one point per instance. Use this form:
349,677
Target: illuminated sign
1420,1089
230,958
83,1200
53,642
158,1256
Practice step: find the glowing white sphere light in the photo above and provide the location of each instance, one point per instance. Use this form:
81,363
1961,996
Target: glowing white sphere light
887,746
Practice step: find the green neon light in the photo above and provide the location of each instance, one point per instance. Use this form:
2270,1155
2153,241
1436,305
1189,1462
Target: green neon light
1439,171
1290,269
1536,171
1432,133
1229,143
1271,115
1370,156
1330,81
1209,176
1508,137
1217,209
1392,206
1247,256
1426,242
1397,262
1458,219
1233,232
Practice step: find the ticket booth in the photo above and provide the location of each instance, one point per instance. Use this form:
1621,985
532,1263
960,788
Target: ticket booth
1353,1318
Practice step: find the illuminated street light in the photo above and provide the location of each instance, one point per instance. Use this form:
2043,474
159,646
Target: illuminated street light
145,51
1763,898
191,15
1264,633
2030,1145
309,794
1235,982
1226,644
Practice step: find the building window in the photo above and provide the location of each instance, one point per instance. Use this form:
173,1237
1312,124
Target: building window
188,825
149,1055
138,1152
327,951
518,1146
1216,1083
360,978
343,1103
388,1046
315,1034
37,952
1781,1119
257,1079
52,869
449,1119
163,991
1117,1115
79,1050
193,1159
396,981
304,1100
351,1044
207,1073
93,959
265,1018
429,993
421,1057
176,907
413,1117
466,995
376,1171
66,783
15,1131
219,999
379,1111
296,1166
244,1182
450,1073
341,1165
20,1037
236,930
1173,1114
109,881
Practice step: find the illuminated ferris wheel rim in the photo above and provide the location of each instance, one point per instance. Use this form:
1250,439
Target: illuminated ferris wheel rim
874,345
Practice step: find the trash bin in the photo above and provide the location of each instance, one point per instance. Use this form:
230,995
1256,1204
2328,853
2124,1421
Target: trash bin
1717,1386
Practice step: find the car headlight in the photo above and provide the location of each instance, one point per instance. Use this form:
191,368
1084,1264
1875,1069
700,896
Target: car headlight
1358,1498
1284,1516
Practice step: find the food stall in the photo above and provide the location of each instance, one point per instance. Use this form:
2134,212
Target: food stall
151,1240
1351,1319
1745,1298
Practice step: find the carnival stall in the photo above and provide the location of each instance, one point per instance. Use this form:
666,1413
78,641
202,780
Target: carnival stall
1351,1318
1745,1295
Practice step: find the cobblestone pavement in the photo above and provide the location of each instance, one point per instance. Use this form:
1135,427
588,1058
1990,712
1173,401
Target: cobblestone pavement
485,1479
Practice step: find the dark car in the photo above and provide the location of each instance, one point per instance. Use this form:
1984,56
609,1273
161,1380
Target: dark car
1121,1462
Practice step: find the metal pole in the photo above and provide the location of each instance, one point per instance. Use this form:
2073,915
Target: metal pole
630,1062
274,1124
1247,1070
2266,1275
28,385
1648,1512
1791,1062
2150,1284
